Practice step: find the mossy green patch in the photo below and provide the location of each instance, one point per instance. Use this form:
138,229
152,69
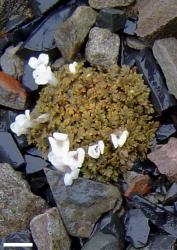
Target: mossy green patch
89,106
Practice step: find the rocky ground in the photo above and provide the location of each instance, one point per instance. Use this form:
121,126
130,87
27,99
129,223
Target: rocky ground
140,211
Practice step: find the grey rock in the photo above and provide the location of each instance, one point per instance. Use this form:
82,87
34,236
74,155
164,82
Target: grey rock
58,63
156,19
102,48
101,241
135,43
11,63
164,51
82,204
49,232
100,4
70,36
17,204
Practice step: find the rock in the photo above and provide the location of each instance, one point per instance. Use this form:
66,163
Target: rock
171,195
34,152
137,183
135,43
130,27
102,48
164,51
9,152
128,55
165,159
28,79
70,36
48,231
158,215
101,241
100,4
42,6
112,19
58,63
159,242
42,37
156,18
165,131
12,94
82,204
34,164
153,76
137,228
21,236
112,224
11,63
6,118
18,204
146,167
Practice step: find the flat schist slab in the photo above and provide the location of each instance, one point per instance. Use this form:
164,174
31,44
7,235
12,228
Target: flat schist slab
83,203
100,4
165,52
156,18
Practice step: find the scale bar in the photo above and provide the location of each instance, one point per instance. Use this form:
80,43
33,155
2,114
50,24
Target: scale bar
18,245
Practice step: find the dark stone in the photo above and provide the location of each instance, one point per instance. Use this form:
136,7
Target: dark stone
101,241
42,6
171,195
34,164
127,55
112,19
130,27
165,131
21,236
137,228
154,78
6,118
42,38
9,153
158,215
82,2
21,141
28,80
146,167
112,224
18,204
159,242
83,203
34,152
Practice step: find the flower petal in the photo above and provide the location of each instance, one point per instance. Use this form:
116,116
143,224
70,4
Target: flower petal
60,136
56,162
75,173
33,62
94,151
68,180
43,59
101,146
43,118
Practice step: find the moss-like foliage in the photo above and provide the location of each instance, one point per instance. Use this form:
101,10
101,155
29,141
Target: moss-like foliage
89,106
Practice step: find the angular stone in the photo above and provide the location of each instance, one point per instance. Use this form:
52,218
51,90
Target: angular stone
165,131
137,228
100,4
165,159
42,37
130,27
10,63
49,232
157,18
112,19
11,92
21,236
102,48
135,43
9,152
137,183
28,79
153,76
171,195
101,241
34,164
82,204
41,6
18,204
70,36
164,51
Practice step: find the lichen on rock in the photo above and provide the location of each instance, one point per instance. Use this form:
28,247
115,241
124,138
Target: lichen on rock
89,106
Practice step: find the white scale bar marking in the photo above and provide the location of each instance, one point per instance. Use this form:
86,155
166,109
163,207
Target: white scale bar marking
18,244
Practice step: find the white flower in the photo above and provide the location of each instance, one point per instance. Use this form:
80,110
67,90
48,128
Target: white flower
96,150
42,118
57,162
74,159
73,67
42,73
59,144
119,139
69,177
22,123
